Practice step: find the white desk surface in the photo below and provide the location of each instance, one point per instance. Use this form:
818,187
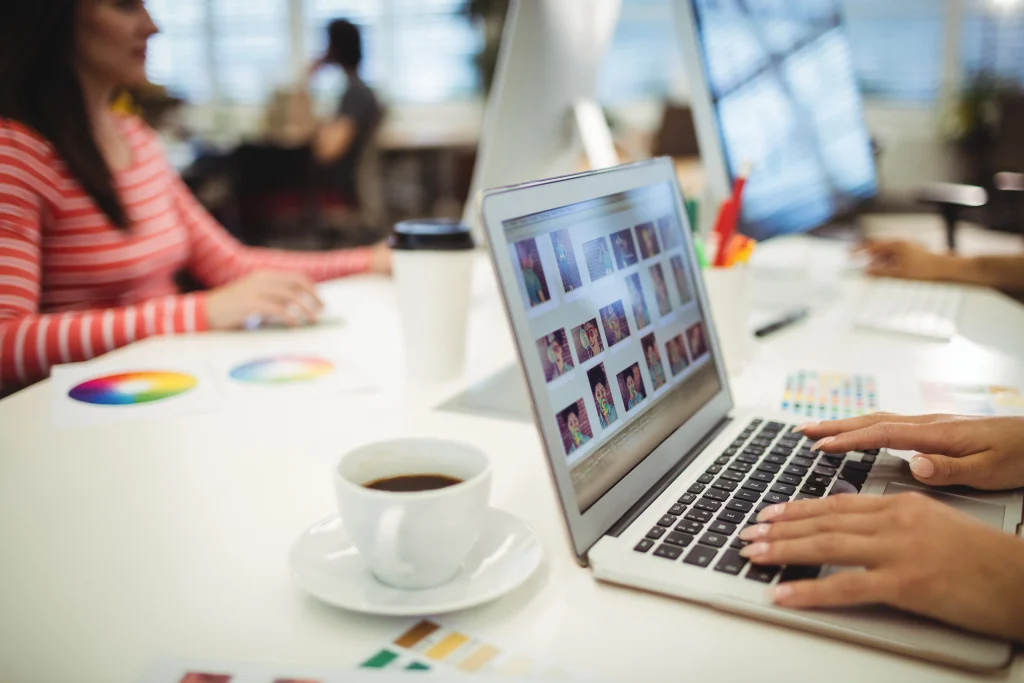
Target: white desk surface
169,539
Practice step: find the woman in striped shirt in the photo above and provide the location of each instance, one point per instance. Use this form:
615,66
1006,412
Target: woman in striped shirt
94,224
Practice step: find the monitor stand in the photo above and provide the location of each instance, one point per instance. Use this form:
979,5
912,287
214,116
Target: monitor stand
503,395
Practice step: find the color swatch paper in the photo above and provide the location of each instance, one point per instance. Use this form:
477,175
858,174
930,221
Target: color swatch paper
829,395
972,399
110,391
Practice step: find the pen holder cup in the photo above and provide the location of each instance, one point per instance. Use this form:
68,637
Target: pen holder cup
728,291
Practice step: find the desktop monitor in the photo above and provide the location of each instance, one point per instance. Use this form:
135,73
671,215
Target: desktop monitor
773,86
541,115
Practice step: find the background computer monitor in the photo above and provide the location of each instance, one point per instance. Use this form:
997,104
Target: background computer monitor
541,115
773,85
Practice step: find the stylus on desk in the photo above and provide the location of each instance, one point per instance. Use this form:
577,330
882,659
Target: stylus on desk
790,319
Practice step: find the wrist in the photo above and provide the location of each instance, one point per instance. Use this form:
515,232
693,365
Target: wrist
201,319
958,269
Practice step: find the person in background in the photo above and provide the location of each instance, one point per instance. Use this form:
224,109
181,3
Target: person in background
914,262
917,553
338,143
94,223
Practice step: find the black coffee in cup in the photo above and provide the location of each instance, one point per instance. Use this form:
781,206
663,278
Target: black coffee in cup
410,483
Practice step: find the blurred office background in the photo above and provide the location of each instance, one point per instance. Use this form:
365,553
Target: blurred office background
943,83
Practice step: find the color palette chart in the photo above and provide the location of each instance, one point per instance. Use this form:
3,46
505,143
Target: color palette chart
428,646
829,395
282,370
972,399
130,388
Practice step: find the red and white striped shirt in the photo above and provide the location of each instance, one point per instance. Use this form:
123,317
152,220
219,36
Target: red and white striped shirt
73,286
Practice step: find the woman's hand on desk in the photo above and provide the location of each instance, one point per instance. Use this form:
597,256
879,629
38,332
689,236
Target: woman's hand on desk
290,297
981,452
918,555
906,260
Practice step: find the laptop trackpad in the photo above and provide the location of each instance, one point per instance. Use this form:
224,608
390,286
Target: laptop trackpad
986,513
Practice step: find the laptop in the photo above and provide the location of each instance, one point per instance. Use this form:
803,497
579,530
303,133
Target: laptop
656,472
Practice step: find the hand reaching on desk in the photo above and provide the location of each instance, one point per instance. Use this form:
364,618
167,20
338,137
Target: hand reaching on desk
905,260
918,554
982,452
290,297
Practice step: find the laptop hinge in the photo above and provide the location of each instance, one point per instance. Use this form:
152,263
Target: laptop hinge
652,494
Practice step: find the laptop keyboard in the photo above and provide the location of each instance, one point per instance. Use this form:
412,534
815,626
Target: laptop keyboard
768,463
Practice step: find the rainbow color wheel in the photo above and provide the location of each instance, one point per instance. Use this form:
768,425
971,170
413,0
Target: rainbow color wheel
129,388
282,370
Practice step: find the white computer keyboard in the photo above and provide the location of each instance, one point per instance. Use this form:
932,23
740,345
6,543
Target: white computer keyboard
924,309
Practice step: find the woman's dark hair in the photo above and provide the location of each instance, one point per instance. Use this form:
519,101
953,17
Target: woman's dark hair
40,89
345,46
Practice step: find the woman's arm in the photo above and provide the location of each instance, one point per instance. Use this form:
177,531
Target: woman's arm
217,258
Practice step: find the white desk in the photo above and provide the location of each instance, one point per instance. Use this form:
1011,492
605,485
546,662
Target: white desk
123,545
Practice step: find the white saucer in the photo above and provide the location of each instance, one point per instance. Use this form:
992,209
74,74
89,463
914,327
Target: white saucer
326,565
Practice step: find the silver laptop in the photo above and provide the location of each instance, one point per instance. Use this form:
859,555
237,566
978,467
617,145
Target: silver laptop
655,471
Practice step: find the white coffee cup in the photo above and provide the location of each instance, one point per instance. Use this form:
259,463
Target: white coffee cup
433,266
414,539
729,297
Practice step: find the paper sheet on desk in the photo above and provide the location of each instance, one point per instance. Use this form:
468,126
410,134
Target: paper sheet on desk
273,372
829,395
971,399
104,392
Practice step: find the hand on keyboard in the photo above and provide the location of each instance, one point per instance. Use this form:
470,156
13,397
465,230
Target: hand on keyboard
920,555
905,260
981,452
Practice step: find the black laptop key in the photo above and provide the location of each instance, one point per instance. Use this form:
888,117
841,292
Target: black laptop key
696,488
774,498
707,504
701,555
761,506
667,520
768,467
747,458
706,478
722,460
714,469
783,451
803,496
725,485
762,572
766,477
739,505
738,543
799,572
732,476
871,451
825,471
731,450
740,467
730,517
802,462
656,533
754,450
714,540
843,486
724,528
676,509
644,545
754,485
761,441
748,495
717,494
689,527
731,563
669,552
702,516
790,479
868,458
819,479
854,465
796,470
791,438
775,426
784,489
832,460
687,498
776,459
753,423
817,490
737,443
678,538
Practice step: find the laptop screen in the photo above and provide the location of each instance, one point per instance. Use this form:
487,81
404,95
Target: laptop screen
607,289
